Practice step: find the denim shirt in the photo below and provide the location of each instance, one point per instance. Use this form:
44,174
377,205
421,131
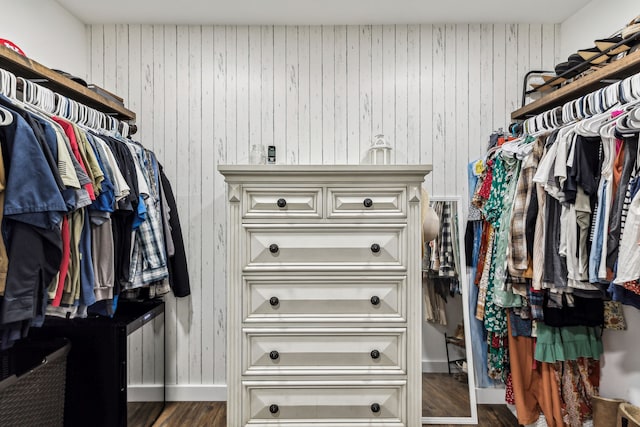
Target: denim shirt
32,193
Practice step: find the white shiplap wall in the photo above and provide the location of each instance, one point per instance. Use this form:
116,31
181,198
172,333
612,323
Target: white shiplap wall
205,94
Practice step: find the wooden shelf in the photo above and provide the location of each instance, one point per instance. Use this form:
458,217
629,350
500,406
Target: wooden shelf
27,68
602,77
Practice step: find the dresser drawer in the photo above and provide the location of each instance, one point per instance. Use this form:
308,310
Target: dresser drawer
345,246
366,202
324,299
312,351
313,404
290,202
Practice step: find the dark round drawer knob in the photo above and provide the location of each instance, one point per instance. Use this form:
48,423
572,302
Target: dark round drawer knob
274,355
274,301
274,409
273,248
375,300
375,408
281,203
367,203
375,354
375,248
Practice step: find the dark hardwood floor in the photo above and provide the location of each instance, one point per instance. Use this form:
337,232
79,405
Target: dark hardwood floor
445,395
192,414
143,413
442,395
214,414
448,395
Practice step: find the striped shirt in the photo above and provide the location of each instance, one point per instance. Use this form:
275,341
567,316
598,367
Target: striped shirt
517,259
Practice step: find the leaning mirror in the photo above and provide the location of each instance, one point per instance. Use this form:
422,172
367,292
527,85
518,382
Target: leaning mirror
448,387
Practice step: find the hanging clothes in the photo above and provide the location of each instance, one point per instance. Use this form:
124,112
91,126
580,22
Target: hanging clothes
85,219
441,277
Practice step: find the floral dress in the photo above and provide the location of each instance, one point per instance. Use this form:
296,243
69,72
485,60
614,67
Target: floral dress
495,317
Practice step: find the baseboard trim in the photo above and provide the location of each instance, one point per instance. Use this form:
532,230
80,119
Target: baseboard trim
145,393
490,396
434,366
196,393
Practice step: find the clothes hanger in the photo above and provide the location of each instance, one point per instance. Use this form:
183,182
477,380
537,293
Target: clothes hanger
124,129
6,116
635,85
7,83
91,118
590,126
628,123
102,123
37,99
548,121
611,124
62,104
83,114
46,100
634,117
75,111
4,83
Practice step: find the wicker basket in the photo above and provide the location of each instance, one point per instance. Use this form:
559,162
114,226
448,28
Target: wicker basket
628,415
32,388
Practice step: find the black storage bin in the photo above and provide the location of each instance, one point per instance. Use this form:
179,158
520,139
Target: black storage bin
32,382
96,390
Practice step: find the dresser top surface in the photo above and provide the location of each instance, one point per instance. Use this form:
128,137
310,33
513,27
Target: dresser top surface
237,171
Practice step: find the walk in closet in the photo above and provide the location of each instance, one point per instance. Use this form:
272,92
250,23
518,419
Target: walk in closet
348,214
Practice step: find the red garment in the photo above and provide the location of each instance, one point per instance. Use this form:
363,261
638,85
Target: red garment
64,264
482,254
502,140
485,189
579,381
632,286
68,130
509,397
617,175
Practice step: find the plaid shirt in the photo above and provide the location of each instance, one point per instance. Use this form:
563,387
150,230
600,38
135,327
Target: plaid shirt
517,260
447,261
148,257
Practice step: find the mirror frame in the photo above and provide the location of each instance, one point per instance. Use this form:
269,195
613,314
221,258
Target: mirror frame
464,288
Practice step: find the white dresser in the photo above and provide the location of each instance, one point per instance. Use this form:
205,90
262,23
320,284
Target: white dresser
323,295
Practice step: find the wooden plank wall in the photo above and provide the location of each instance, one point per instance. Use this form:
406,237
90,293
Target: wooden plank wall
205,94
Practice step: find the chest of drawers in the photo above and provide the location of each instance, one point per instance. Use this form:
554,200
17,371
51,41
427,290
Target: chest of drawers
323,295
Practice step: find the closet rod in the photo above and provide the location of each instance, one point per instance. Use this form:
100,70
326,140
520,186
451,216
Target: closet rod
27,68
55,104
597,102
132,128
617,70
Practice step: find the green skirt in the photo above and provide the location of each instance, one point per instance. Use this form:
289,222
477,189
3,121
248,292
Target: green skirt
567,343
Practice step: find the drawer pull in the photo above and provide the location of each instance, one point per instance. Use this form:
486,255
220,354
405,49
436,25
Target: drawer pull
375,408
375,300
375,248
274,355
274,409
273,248
375,354
367,202
281,203
274,301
